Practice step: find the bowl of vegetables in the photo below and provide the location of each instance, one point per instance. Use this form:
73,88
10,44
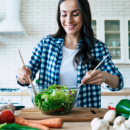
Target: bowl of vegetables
54,99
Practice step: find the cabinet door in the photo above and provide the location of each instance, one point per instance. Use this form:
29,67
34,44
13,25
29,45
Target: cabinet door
127,39
112,34
96,27
128,97
26,101
110,101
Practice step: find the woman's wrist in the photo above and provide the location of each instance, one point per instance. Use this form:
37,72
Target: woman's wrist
111,80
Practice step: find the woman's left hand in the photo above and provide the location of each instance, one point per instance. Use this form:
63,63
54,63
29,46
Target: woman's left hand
96,77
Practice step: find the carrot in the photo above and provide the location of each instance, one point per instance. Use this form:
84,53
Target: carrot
25,122
53,123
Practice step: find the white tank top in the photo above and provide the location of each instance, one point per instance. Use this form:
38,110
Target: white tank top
68,75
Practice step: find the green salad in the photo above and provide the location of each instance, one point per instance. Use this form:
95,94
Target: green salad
56,99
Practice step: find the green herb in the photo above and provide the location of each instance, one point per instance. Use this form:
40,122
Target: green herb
16,127
2,125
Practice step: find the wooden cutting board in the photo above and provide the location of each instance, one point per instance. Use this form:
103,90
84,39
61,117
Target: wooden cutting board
76,115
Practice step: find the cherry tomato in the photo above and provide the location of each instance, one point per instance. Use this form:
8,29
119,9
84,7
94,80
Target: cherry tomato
58,87
60,109
7,116
111,108
50,111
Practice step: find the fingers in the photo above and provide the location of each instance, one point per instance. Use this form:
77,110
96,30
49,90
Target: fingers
96,81
22,74
86,77
93,77
97,77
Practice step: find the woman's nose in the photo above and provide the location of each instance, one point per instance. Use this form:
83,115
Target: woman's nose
69,19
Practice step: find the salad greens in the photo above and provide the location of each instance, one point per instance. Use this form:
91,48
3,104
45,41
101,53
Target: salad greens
56,99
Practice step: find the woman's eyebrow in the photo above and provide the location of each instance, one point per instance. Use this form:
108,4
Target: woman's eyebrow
71,11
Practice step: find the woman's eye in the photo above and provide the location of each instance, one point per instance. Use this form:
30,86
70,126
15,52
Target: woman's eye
75,15
64,15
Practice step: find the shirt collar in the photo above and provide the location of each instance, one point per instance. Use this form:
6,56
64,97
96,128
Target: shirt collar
78,46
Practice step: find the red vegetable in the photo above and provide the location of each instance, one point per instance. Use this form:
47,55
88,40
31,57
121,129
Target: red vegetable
60,109
6,116
50,111
111,108
58,87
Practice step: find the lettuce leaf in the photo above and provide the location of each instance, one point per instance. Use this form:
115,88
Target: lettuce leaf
57,96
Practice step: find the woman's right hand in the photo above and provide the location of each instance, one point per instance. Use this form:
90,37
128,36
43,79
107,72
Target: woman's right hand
22,75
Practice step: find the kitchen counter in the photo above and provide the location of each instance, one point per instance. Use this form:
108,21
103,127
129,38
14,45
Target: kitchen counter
73,125
25,93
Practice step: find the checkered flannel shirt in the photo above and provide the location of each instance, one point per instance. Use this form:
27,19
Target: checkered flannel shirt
47,57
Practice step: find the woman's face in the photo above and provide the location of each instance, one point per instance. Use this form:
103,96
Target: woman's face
70,17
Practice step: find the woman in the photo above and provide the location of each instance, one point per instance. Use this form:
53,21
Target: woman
69,56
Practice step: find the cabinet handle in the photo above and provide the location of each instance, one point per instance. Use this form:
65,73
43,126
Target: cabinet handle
110,103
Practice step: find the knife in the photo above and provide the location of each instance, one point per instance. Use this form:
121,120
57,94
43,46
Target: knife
18,107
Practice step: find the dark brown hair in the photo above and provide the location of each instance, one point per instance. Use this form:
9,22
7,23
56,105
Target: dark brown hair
87,34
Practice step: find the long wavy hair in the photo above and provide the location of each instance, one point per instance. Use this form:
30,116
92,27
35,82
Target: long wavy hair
87,34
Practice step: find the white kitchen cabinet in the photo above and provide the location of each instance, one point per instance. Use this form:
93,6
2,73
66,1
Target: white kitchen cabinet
112,34
15,100
114,31
110,100
128,97
127,39
26,101
96,26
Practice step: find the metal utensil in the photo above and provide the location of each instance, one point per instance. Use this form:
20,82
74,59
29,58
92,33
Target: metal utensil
96,67
35,93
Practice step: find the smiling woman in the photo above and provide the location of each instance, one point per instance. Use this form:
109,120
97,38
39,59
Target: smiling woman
68,56
71,18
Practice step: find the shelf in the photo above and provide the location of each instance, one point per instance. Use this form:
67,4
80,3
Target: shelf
112,32
111,47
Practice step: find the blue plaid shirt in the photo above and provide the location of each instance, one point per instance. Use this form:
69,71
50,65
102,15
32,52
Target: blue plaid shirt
47,57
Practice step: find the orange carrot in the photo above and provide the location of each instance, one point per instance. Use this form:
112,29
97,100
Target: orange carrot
25,122
53,123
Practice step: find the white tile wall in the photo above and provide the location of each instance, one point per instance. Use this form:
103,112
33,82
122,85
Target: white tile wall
38,17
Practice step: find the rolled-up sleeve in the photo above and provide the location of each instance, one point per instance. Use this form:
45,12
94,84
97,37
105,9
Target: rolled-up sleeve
34,63
109,67
100,53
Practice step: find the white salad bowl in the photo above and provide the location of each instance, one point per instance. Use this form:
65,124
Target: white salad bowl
54,99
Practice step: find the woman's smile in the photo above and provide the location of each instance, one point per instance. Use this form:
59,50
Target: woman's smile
70,26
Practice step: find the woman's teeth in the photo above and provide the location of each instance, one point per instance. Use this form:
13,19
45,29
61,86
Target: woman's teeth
70,26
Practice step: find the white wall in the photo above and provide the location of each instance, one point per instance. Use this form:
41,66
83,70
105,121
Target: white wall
39,19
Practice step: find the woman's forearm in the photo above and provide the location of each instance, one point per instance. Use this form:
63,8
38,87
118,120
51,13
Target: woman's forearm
112,80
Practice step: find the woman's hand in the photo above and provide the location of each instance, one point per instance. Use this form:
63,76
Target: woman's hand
96,77
22,75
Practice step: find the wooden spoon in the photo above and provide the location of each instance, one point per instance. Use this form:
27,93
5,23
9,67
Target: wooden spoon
96,67
35,93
